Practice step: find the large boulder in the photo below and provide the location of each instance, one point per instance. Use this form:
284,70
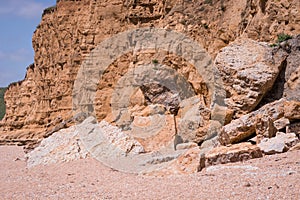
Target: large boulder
153,132
249,70
194,120
62,146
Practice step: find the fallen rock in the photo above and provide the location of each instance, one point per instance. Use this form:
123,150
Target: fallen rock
279,144
153,132
187,163
62,146
281,123
292,110
188,145
247,125
295,148
233,153
209,144
294,127
116,149
46,91
264,127
249,70
194,121
119,139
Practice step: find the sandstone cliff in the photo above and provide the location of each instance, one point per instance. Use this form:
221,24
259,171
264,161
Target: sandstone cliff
68,32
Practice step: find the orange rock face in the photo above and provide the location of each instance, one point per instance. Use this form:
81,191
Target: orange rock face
69,32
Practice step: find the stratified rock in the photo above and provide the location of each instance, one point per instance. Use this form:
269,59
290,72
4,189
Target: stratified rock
66,36
233,153
279,144
249,70
292,110
247,125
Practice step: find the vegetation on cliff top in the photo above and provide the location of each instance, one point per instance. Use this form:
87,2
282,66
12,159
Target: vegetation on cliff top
48,10
2,103
281,38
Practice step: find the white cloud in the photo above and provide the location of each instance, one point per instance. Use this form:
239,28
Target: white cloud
28,9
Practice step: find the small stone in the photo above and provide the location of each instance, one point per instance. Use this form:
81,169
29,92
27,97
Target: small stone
247,185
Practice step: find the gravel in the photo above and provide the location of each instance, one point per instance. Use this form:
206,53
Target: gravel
271,177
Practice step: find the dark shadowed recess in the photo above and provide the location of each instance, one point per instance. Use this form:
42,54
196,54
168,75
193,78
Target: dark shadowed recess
2,103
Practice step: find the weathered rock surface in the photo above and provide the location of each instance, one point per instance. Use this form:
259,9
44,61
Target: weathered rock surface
69,31
292,110
249,70
62,146
194,120
279,144
292,71
295,148
260,121
186,163
153,132
294,127
114,148
116,137
281,123
233,153
188,145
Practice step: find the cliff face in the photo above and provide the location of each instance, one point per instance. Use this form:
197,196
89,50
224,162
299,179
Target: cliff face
2,104
71,30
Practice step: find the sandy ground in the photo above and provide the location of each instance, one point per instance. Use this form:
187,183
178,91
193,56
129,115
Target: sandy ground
271,177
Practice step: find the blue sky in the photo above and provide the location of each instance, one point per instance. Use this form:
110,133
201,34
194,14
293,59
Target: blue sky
18,20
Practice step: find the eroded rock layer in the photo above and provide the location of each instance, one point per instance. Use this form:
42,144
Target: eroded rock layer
42,103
